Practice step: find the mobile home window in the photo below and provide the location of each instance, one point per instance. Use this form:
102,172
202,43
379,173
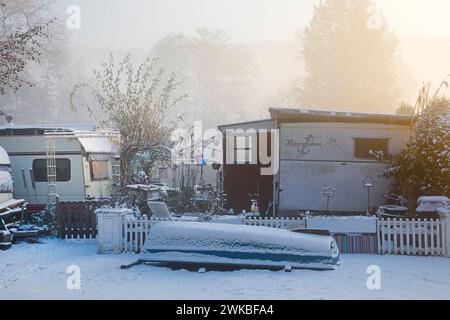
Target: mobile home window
99,170
376,149
62,170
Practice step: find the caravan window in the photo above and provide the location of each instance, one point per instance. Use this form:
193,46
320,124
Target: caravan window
376,149
62,170
99,170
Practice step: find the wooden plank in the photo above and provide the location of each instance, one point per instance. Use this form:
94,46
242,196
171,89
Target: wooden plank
432,244
408,237
92,220
401,225
388,233
59,218
413,223
395,233
68,222
419,233
84,222
11,204
438,238
77,219
141,234
444,244
125,234
379,223
426,236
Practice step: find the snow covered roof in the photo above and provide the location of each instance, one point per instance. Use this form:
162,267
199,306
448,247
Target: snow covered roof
309,115
40,129
4,158
96,144
68,126
264,123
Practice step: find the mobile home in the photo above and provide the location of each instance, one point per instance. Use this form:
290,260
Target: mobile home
75,164
326,159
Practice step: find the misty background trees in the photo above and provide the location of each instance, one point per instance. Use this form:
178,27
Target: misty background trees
217,74
350,58
17,47
51,75
347,59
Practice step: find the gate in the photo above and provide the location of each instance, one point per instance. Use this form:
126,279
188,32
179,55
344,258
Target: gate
77,220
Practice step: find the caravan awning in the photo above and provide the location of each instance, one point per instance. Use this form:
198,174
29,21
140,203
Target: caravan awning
96,145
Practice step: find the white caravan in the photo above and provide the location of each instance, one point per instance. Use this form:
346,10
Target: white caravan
74,164
6,182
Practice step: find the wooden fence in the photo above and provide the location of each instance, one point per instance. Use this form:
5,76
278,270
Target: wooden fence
77,220
411,237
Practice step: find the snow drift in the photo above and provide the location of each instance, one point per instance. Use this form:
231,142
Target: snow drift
240,244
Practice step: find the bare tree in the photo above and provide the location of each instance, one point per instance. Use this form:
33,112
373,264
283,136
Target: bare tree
133,100
17,48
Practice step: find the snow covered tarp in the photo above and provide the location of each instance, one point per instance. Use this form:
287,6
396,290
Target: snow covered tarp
198,242
432,204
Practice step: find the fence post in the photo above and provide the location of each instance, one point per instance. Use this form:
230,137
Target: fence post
110,229
379,224
445,216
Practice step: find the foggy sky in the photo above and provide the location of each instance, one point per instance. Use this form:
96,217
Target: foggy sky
422,27
138,23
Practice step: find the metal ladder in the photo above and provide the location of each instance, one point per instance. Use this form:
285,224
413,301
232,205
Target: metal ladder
115,165
51,167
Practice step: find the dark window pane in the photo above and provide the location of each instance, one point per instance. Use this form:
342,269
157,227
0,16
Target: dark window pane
62,170
376,149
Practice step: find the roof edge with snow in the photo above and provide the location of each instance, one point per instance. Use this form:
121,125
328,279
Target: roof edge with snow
310,115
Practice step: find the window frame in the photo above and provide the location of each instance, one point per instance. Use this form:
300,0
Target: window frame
369,157
246,149
91,169
37,178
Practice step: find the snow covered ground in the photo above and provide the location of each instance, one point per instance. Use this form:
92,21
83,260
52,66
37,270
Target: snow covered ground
38,271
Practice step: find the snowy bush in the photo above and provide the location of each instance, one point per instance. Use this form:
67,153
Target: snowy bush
423,168
46,219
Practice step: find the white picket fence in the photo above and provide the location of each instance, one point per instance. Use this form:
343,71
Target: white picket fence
279,223
135,230
411,237
394,236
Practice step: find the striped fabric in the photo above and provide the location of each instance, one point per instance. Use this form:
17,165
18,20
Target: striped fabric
357,243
